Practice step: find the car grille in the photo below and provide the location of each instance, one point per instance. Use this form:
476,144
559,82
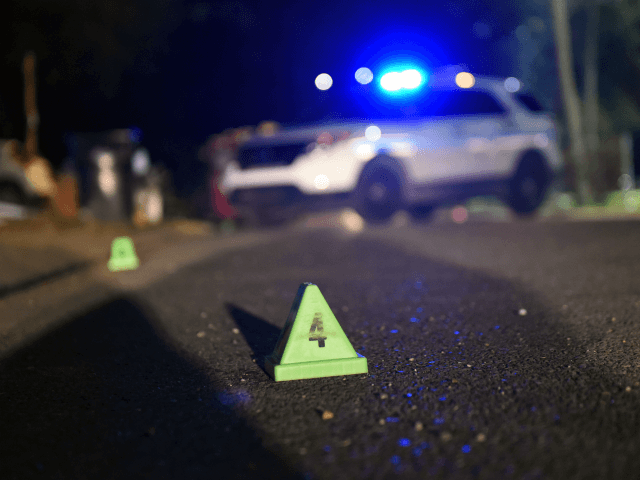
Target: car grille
270,155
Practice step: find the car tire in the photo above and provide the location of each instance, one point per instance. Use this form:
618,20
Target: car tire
10,193
528,186
378,194
422,213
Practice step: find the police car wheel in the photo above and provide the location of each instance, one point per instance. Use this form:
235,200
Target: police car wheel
379,195
528,186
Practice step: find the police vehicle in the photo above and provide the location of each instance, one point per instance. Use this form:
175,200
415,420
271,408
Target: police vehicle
465,136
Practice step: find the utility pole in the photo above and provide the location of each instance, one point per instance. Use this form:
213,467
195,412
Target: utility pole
591,97
30,109
571,99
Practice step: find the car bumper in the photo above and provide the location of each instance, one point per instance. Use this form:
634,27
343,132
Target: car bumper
286,199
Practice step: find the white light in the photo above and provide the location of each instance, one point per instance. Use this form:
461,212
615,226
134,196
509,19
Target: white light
411,79
465,80
108,182
364,150
512,84
324,81
391,81
364,75
154,207
372,133
321,182
140,162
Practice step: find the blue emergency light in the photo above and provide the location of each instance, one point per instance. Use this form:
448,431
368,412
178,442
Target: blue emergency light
403,80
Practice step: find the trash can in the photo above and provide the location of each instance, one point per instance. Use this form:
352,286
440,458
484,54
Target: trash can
103,165
148,208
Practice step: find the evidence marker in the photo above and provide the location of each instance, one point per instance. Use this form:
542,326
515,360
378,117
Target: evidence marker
123,255
312,343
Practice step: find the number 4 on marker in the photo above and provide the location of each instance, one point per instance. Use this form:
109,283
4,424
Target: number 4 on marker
316,330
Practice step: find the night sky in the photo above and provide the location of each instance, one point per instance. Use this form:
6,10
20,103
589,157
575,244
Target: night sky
182,71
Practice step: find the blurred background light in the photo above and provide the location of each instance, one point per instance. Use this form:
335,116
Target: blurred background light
408,79
321,182
372,133
465,80
411,79
512,84
351,221
155,207
141,163
365,150
459,214
364,75
324,81
108,182
391,81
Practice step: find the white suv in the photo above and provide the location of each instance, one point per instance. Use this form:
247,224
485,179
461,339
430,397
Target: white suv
443,147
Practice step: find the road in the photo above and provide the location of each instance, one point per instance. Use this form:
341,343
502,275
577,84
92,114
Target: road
495,350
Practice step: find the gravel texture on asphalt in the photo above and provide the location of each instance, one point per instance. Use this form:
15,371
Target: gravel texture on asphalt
494,351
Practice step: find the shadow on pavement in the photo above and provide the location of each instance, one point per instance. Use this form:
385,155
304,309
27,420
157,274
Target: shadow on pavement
7,290
260,335
106,396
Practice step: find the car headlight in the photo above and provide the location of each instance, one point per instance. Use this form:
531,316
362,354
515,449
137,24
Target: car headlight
364,150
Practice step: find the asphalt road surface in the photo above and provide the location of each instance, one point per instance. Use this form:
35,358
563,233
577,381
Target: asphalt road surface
495,350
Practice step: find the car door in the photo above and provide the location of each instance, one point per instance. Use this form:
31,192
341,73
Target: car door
482,122
441,152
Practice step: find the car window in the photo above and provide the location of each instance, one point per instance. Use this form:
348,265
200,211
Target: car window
463,102
529,102
251,156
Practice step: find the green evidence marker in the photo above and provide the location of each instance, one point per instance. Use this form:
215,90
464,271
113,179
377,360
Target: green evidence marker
123,256
312,344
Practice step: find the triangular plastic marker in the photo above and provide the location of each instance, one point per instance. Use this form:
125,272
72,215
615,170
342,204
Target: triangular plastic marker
312,344
123,255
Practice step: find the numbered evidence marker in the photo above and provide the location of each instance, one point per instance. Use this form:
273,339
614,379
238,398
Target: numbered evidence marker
123,256
312,343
